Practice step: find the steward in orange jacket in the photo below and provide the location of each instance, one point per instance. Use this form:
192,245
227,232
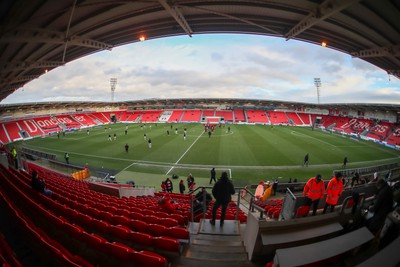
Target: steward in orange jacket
314,190
333,191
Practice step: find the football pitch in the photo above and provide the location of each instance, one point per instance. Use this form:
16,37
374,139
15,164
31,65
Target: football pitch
249,153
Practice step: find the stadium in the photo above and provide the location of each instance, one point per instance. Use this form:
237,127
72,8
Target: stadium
104,162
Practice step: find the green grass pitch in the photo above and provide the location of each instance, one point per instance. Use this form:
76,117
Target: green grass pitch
249,153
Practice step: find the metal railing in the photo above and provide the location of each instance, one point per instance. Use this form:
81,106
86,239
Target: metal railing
244,199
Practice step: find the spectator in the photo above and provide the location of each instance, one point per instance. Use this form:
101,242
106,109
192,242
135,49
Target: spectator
222,191
169,186
192,187
383,204
274,187
202,198
167,206
39,185
163,187
190,180
355,179
182,187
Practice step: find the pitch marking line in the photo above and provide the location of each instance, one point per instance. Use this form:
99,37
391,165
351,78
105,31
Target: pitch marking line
184,153
300,134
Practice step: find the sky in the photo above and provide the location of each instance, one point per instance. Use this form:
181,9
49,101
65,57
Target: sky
215,66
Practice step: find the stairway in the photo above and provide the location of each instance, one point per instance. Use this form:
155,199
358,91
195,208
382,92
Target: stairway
215,246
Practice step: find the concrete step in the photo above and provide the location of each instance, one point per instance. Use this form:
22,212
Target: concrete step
211,256
221,263
225,238
206,242
217,249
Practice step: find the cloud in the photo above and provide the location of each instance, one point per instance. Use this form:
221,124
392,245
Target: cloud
215,66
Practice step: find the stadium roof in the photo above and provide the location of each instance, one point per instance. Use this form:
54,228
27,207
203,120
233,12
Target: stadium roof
39,35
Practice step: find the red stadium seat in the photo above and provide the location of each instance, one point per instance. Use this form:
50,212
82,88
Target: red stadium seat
122,220
156,229
147,258
121,251
73,230
302,211
167,243
94,241
120,231
178,232
151,219
100,225
143,239
168,222
138,226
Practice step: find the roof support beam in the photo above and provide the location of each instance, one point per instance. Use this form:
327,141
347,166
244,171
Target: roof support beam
67,31
177,15
390,51
21,79
395,73
320,13
16,66
269,30
27,35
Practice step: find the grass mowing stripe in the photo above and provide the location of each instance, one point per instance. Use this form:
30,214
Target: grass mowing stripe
185,152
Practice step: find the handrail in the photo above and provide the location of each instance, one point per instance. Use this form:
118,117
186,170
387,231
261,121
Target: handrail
358,202
238,190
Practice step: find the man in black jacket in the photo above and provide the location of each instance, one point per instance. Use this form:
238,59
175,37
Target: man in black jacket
383,204
222,191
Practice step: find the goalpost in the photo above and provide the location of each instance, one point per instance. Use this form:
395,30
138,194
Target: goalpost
212,120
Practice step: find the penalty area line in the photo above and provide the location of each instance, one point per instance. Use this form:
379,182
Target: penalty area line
173,166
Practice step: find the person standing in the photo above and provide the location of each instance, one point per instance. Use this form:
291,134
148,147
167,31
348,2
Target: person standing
345,162
274,187
383,204
169,186
190,180
314,190
14,156
149,142
306,160
184,135
163,187
66,157
213,174
182,187
126,148
355,179
222,191
333,191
